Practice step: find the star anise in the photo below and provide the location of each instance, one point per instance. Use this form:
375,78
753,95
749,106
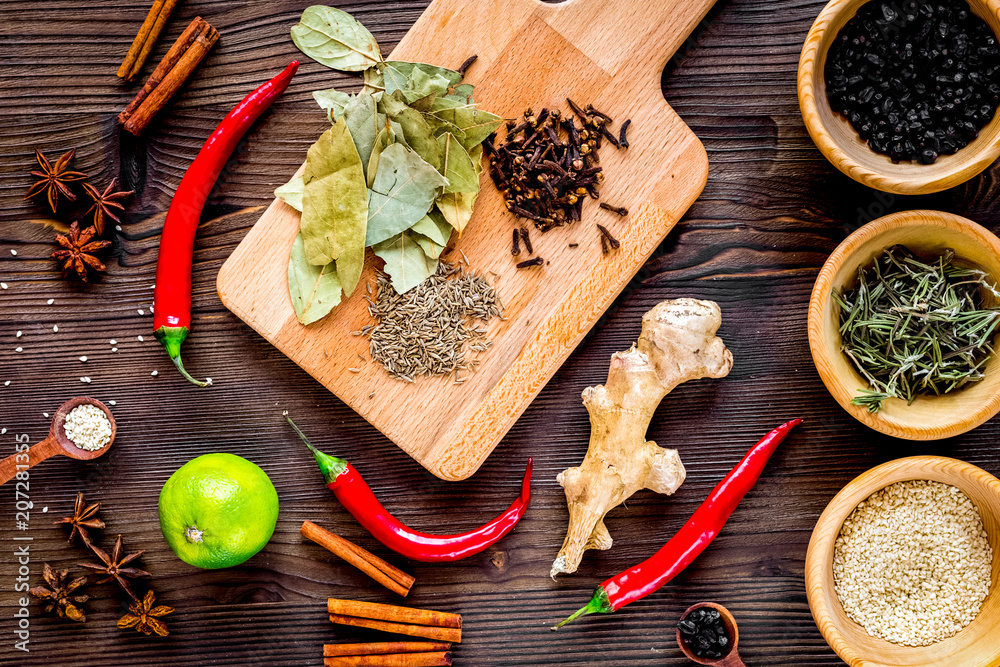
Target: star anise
144,616
114,566
58,595
54,178
84,517
105,203
77,251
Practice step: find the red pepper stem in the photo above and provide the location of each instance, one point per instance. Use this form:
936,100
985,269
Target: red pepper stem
331,466
599,604
171,339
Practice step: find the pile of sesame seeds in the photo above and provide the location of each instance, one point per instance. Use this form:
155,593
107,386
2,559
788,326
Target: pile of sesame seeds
88,427
429,329
912,563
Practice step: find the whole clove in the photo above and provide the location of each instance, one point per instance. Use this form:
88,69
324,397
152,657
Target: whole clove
527,241
608,238
467,64
515,248
620,210
534,261
547,163
622,139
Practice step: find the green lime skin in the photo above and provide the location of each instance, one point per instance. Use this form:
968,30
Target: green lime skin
218,510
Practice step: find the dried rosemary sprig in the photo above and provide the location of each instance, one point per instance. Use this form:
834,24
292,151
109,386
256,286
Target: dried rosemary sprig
914,327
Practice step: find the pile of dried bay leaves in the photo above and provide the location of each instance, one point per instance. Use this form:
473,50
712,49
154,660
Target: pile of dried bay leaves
397,171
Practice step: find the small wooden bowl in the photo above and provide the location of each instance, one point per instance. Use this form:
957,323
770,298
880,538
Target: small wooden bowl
978,645
924,232
842,146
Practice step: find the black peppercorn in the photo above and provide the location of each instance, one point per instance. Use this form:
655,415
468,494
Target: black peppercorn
916,79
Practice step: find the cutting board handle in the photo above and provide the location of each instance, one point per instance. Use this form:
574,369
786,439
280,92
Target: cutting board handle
627,36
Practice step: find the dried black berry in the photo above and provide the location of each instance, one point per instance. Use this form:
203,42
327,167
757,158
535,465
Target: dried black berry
916,79
704,633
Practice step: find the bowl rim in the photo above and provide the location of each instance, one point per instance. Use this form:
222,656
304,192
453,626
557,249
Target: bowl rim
822,293
809,105
819,555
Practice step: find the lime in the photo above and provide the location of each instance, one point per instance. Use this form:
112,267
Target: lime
218,510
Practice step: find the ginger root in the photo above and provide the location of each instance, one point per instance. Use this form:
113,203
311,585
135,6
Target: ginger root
677,344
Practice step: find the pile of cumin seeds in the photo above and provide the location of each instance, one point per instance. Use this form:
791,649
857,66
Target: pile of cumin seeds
432,328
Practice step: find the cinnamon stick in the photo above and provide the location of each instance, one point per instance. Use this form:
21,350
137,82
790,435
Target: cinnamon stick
384,573
145,40
176,67
390,612
377,648
438,659
453,635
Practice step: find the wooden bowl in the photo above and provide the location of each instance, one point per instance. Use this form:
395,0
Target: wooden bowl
924,232
842,146
978,645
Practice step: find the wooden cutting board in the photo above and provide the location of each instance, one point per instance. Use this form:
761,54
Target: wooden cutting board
609,53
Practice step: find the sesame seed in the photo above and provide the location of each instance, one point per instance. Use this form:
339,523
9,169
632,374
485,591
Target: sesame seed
6,384
3,285
18,349
55,328
142,312
113,402
113,341
83,358
50,301
140,338
114,349
118,228
45,414
208,380
155,373
85,380
18,334
2,431
13,252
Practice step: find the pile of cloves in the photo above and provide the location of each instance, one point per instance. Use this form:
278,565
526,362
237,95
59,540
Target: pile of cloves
546,165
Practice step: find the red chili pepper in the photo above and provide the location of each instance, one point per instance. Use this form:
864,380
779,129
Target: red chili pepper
355,495
699,531
172,296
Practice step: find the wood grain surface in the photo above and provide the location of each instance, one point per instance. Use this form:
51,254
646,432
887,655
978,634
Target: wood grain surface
548,310
772,211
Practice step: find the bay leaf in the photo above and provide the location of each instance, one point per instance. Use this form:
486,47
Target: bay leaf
476,155
334,38
332,101
456,207
476,124
461,93
364,123
334,205
417,80
291,193
419,136
433,226
385,138
404,189
405,261
456,166
431,249
314,290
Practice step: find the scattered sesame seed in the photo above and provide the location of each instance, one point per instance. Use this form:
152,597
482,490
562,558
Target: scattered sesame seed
18,349
55,328
113,341
18,334
3,285
6,384
118,228
83,358
13,252
151,309
142,312
45,509
45,414
114,349
2,431
155,373
51,301
113,402
208,380
85,380
140,338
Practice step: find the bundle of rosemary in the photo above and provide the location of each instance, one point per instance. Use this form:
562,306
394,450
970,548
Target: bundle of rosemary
915,327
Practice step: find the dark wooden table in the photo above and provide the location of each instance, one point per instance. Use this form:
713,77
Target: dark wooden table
772,211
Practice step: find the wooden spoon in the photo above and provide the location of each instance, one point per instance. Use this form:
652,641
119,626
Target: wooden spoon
731,659
57,442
